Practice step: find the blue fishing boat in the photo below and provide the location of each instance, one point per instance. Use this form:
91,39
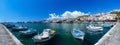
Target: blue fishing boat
106,25
46,35
28,32
78,34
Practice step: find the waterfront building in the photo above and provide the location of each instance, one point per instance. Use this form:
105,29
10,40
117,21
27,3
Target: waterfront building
107,17
84,17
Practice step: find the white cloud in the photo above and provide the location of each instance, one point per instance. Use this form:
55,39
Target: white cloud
74,14
66,15
53,16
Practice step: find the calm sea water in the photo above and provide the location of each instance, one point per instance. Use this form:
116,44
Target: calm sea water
63,33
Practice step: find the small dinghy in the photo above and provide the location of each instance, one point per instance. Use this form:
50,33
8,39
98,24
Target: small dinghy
78,34
28,32
94,28
46,35
20,28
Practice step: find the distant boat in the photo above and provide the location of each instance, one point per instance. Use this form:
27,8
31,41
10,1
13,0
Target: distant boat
19,28
78,34
9,25
46,35
106,25
28,32
94,28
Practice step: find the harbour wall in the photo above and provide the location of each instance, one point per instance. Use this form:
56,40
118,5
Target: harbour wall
13,40
112,37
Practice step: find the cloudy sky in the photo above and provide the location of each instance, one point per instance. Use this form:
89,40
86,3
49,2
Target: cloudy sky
27,10
67,15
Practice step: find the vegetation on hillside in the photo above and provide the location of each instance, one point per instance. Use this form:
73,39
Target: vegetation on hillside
118,15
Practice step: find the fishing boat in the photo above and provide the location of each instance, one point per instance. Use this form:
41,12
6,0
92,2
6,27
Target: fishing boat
19,28
78,34
106,25
94,28
9,25
46,35
28,32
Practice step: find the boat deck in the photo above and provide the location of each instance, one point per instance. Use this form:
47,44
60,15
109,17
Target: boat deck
6,37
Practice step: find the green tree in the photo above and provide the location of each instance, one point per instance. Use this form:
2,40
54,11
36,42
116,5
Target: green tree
118,15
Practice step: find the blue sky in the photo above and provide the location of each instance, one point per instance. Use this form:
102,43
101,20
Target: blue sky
27,10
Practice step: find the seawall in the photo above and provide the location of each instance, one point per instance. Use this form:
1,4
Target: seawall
112,37
7,38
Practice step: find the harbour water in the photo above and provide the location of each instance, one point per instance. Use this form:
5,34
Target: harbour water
63,33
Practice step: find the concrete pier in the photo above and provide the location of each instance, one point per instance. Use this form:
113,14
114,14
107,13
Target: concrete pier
7,38
112,37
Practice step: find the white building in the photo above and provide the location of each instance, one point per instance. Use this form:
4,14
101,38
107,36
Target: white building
104,16
107,16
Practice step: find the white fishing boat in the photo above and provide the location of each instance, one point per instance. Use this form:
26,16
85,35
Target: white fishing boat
19,28
94,28
46,35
